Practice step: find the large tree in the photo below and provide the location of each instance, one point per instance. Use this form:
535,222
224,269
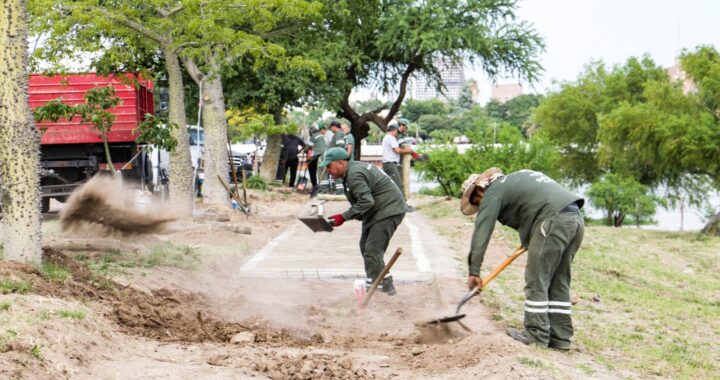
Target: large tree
19,141
702,141
383,43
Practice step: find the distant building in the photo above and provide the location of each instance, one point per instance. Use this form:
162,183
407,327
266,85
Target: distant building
453,77
504,92
676,74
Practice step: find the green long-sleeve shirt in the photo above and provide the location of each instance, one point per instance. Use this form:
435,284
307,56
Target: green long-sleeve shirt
318,144
372,194
518,200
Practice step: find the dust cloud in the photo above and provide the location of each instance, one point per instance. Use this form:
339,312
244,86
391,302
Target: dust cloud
106,202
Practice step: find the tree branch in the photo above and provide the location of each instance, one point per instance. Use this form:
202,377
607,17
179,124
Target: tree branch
136,26
170,12
193,70
401,95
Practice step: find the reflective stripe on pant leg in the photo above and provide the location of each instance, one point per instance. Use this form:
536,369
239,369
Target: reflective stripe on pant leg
543,257
570,228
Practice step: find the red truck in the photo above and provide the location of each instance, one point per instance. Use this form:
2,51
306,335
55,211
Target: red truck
72,151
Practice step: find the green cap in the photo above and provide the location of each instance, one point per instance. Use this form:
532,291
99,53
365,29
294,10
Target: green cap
333,154
321,126
392,127
404,122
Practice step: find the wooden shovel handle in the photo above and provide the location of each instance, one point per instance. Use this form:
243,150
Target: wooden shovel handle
379,278
504,264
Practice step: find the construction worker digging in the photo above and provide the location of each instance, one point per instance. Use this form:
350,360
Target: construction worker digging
376,201
547,218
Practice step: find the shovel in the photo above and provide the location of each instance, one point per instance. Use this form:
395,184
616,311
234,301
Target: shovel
476,289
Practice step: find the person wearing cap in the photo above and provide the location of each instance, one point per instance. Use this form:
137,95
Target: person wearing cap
349,141
316,147
376,201
338,137
391,152
547,218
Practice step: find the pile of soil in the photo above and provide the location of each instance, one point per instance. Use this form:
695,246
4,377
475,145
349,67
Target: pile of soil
103,201
162,314
278,366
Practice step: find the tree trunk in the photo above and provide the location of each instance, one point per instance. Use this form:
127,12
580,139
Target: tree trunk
271,158
405,159
181,171
215,154
108,158
19,142
713,226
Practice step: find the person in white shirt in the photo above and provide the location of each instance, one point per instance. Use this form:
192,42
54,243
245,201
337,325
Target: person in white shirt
391,152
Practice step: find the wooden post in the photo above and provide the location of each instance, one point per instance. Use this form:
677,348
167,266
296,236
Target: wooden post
406,174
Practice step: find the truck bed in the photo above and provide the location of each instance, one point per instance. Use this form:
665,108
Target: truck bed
136,102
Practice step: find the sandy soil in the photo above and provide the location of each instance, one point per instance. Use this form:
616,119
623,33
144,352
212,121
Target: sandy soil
207,323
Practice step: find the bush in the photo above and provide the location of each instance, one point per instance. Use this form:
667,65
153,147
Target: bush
622,196
255,182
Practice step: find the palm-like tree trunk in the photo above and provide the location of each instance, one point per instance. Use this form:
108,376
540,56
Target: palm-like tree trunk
19,141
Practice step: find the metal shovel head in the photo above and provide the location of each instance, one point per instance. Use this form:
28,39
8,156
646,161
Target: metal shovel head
447,319
313,218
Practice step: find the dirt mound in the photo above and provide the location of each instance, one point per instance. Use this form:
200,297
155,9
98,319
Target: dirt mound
299,367
162,314
103,201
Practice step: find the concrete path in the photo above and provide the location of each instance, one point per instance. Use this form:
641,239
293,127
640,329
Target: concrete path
299,253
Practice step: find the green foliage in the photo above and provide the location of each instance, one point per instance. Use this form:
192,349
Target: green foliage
158,132
71,314
55,272
5,306
10,285
620,196
247,123
516,111
413,109
382,43
256,182
447,167
450,169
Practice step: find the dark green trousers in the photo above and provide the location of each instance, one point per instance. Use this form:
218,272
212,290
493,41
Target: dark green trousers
373,243
553,244
393,171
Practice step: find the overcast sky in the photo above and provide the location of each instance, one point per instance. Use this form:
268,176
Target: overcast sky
576,31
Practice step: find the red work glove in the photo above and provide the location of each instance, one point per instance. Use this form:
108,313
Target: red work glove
415,156
336,220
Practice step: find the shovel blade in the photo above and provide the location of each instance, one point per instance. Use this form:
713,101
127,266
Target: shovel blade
447,319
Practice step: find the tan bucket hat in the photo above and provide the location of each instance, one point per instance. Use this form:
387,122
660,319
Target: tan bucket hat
474,181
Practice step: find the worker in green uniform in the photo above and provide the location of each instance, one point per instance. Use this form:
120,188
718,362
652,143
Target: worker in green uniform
349,141
376,201
547,218
338,138
316,147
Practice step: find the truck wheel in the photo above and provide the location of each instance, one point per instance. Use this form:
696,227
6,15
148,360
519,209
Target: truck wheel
44,205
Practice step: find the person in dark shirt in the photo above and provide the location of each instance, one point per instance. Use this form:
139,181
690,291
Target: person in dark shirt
292,146
547,218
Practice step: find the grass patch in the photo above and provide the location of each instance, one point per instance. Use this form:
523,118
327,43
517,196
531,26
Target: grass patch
114,262
55,272
653,288
4,306
5,339
658,292
71,314
9,285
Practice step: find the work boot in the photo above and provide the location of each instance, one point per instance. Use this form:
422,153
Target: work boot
387,286
519,335
314,192
560,346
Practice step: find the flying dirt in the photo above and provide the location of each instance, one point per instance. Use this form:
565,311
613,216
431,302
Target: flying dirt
106,202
